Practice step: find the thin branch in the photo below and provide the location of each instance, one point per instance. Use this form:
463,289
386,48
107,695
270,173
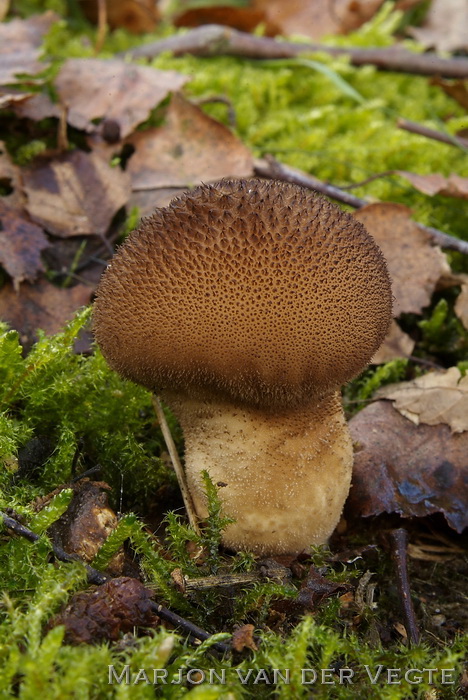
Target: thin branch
176,463
422,130
399,550
101,25
270,167
217,40
98,578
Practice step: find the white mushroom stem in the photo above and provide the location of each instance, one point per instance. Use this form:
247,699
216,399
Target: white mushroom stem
283,477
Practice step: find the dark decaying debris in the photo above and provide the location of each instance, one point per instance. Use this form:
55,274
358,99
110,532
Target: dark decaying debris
107,611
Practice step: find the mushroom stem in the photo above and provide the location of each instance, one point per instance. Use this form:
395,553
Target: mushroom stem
284,477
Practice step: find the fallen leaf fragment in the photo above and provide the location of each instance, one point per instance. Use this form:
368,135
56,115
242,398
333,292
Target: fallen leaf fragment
397,344
20,42
316,588
415,265
75,194
461,305
36,107
315,19
189,149
456,89
106,612
452,186
40,305
445,27
21,243
242,638
436,397
10,179
93,88
244,19
407,469
137,16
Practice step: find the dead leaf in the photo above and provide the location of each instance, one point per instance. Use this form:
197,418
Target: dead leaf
93,88
149,200
461,305
35,107
319,17
40,305
21,243
242,638
436,397
189,149
10,179
414,264
445,26
244,19
456,89
9,99
397,344
75,194
407,469
453,186
138,16
106,612
316,588
20,42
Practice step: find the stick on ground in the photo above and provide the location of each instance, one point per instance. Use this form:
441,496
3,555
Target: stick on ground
217,40
270,167
98,578
176,463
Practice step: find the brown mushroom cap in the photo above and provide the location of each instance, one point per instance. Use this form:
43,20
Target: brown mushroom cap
258,291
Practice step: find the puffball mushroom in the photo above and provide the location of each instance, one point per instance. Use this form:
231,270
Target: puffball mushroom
247,304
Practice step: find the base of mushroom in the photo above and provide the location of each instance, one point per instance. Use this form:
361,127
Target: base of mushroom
284,478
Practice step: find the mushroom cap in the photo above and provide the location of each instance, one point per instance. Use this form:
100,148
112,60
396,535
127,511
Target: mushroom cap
256,291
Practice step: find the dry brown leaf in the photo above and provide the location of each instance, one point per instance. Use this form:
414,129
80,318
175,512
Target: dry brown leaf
21,243
20,42
414,264
461,305
242,638
149,200
452,186
445,27
92,88
40,305
397,344
9,99
138,16
189,149
36,107
403,468
434,398
244,19
456,89
10,179
316,18
75,193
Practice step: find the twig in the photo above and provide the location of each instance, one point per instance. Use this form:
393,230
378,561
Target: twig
399,544
98,578
216,40
101,25
270,167
176,463
422,130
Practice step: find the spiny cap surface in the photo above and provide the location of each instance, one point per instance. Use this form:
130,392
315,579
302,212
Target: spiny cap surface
259,291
